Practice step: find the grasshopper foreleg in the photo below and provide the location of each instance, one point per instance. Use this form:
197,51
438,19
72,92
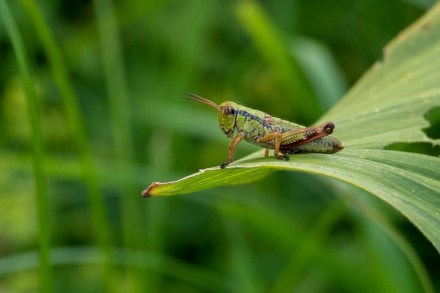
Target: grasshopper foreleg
232,146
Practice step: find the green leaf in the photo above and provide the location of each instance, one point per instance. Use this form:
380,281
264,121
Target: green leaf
386,106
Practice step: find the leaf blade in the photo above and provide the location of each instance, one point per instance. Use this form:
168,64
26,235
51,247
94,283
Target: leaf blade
386,106
391,175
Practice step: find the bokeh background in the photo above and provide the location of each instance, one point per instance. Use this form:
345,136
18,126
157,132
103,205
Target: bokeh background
111,94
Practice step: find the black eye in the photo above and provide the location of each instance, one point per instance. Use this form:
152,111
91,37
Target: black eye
228,110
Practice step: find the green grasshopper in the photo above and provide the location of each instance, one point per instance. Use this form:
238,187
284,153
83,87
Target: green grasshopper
263,130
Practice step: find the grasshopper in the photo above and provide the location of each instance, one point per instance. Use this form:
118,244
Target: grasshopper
263,130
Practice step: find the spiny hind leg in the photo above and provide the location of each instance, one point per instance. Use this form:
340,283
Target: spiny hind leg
304,135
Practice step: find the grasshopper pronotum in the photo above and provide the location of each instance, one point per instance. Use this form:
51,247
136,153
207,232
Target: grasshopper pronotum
261,129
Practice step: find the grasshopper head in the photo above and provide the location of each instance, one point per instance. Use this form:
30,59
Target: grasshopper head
226,117
225,111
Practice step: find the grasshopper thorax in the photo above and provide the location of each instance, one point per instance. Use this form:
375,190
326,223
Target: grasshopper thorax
226,117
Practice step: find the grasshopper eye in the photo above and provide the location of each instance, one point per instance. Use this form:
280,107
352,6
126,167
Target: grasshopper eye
228,110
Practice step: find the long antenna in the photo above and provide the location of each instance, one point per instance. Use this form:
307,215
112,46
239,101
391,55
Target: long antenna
197,98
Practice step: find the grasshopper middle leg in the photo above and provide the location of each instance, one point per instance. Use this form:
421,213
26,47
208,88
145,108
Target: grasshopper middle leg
278,139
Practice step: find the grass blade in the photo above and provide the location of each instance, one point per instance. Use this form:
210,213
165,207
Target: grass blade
60,73
114,71
38,150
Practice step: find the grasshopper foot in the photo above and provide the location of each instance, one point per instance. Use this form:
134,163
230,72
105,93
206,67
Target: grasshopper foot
223,165
283,157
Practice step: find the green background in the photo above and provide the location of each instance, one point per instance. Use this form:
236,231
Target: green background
128,69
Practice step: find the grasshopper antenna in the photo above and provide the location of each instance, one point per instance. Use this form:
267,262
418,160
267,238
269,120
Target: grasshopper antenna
197,98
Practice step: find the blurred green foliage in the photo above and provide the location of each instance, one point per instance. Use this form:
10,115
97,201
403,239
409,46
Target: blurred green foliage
125,67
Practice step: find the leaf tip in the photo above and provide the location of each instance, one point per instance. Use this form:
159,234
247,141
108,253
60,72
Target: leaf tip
148,192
